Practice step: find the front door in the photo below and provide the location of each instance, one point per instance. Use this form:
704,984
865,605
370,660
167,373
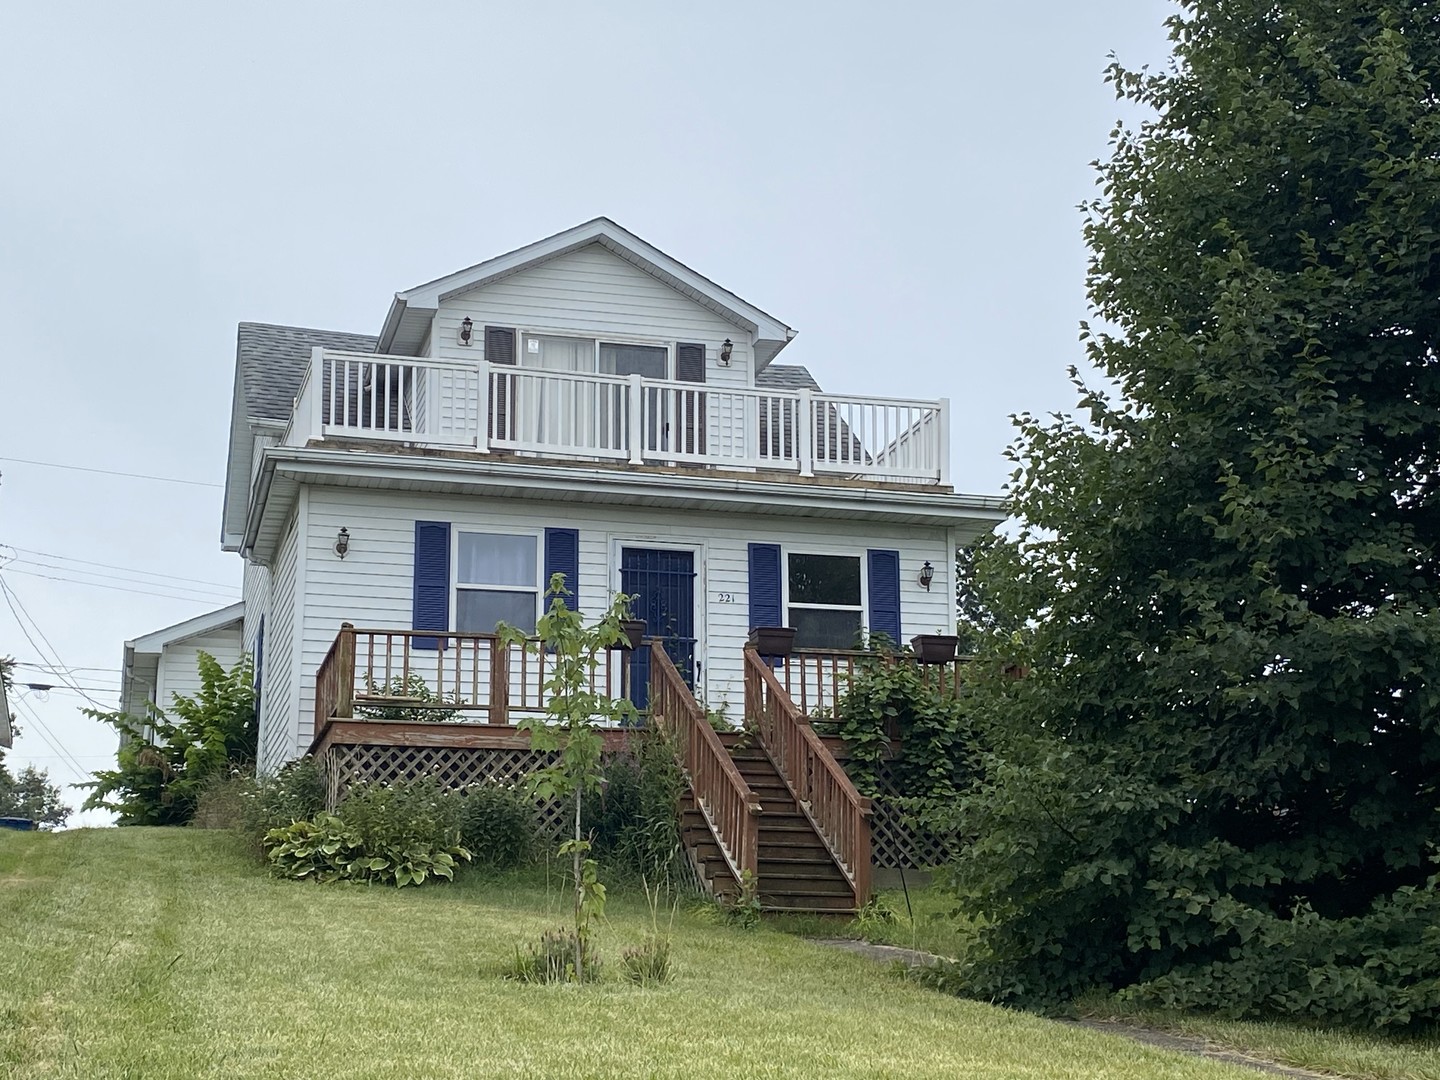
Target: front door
663,584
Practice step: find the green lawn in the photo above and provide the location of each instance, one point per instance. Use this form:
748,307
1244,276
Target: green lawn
166,953
1360,1055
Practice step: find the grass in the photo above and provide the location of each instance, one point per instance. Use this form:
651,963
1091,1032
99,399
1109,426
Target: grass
927,923
1361,1055
169,954
924,920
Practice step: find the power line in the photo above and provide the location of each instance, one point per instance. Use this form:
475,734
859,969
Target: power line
11,601
111,472
194,598
53,741
112,566
50,667
85,575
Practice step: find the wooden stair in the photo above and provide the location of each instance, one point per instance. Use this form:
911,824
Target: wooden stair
796,870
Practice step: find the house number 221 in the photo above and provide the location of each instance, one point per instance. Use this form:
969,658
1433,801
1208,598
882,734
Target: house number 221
727,597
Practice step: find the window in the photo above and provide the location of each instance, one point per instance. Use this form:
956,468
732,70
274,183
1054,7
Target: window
825,602
550,353
497,579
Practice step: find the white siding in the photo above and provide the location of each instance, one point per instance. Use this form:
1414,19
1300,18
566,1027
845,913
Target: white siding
278,743
179,670
593,293
373,585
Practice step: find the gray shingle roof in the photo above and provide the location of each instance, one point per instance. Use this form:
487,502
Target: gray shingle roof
787,377
273,359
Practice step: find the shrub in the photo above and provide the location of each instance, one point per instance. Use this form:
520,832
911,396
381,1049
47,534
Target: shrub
162,763
401,834
295,793
224,801
648,964
497,825
427,703
552,959
635,823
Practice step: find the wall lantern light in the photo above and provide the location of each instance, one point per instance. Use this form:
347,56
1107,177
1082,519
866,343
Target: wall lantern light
342,542
927,575
467,330
725,351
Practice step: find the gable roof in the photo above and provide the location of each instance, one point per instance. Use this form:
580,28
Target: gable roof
410,314
271,361
156,640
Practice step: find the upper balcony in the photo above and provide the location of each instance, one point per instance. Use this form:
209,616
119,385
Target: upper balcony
486,408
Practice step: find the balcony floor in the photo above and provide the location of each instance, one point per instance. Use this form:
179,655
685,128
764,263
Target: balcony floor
785,476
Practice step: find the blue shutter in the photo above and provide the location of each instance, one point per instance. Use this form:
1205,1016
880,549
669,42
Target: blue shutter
765,583
885,593
431,609
562,556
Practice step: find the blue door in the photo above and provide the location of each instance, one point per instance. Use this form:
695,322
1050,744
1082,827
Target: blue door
663,584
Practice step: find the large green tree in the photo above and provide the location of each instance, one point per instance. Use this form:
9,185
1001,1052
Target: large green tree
1218,785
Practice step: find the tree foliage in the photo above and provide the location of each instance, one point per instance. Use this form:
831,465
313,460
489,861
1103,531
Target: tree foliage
574,709
1218,785
28,793
163,763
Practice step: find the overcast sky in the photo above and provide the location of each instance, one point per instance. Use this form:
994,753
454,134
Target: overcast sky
898,182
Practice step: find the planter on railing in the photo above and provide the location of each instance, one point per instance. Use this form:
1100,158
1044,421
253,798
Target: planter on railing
634,630
934,648
775,641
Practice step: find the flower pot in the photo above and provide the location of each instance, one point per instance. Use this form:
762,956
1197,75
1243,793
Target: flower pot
773,640
934,648
634,633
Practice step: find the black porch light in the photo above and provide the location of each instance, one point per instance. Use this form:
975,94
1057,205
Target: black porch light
725,350
927,575
342,542
467,330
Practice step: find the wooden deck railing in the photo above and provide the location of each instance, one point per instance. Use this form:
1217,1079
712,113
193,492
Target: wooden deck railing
840,814
730,807
380,674
816,679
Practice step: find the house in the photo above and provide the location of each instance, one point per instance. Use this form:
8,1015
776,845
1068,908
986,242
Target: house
586,405
165,663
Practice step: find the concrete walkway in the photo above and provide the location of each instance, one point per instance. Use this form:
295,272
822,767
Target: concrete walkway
1180,1044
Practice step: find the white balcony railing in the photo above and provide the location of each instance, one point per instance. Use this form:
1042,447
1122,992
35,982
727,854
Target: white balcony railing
618,418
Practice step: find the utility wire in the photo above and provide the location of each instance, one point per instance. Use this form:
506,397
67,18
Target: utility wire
11,600
53,741
29,565
51,667
195,598
111,472
112,566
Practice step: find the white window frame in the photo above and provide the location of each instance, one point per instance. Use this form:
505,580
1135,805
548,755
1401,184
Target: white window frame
456,585
860,556
597,340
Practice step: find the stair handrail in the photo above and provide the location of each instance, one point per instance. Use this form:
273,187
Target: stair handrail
727,803
823,791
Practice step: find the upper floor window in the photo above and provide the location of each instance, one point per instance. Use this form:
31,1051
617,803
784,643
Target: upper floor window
497,580
551,353
825,600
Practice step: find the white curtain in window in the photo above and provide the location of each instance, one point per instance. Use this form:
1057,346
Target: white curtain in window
497,559
558,353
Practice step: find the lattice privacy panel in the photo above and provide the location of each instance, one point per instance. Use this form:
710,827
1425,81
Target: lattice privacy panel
452,767
895,844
